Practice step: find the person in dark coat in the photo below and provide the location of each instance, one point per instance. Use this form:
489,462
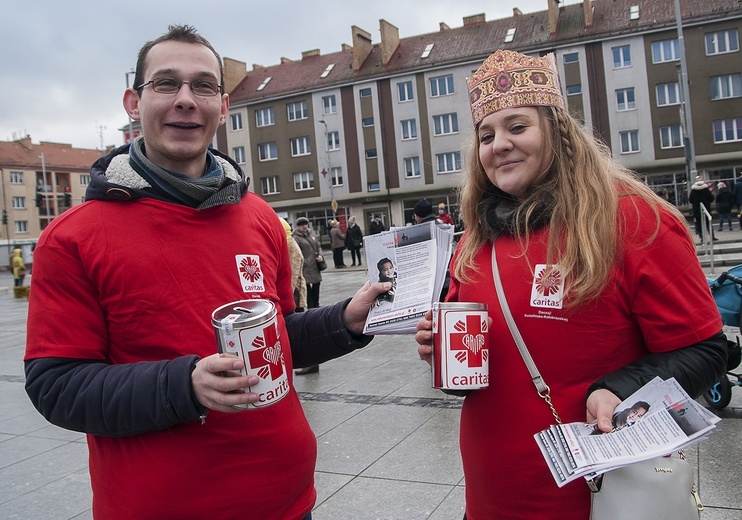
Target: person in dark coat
354,240
724,203
377,226
701,194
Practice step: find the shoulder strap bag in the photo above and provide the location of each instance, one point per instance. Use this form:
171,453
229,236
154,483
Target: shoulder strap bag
662,487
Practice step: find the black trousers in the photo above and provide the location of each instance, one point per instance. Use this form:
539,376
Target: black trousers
337,256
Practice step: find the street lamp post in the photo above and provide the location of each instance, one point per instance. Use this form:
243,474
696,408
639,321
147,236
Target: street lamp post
686,117
333,203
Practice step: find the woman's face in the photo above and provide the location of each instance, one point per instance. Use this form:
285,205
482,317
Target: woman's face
512,148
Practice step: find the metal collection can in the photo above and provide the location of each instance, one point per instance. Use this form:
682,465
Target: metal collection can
460,346
249,329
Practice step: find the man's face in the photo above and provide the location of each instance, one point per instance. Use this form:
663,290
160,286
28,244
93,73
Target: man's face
178,128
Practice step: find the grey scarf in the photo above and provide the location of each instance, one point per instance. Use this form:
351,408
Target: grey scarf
213,189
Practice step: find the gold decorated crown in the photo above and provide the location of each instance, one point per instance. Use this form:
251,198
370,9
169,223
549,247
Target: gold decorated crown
510,79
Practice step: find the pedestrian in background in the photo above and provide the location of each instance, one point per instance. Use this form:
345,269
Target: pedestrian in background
700,195
311,251
423,212
354,240
724,202
337,243
377,226
579,241
443,215
297,269
19,268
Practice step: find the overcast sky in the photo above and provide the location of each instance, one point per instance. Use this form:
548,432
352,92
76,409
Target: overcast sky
63,63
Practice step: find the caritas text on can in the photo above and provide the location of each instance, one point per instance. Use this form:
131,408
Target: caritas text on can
249,329
460,346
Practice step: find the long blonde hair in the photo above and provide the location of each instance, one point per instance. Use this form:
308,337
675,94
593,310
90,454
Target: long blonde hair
583,185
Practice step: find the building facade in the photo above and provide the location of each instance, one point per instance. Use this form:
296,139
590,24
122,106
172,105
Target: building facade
39,182
377,126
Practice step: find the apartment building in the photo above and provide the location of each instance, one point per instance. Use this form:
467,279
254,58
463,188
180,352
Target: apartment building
375,127
39,182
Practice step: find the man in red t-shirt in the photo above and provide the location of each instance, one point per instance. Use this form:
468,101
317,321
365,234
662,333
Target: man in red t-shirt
121,346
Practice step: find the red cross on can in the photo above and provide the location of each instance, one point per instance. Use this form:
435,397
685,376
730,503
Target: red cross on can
460,346
249,330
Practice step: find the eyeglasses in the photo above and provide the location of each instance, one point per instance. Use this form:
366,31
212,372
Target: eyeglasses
199,87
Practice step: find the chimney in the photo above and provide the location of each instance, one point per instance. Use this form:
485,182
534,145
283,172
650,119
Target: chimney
286,60
588,8
234,72
389,40
362,46
309,54
553,16
474,19
345,47
517,12
26,142
444,26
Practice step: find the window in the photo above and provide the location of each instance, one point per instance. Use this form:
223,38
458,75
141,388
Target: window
405,91
671,136
668,94
367,121
239,154
571,57
446,124
336,176
409,129
333,141
621,57
327,70
573,90
19,202
625,99
264,117
328,104
236,121
371,153
666,50
297,110
303,181
412,167
374,186
448,162
300,146
634,12
510,35
629,141
269,185
426,52
728,130
21,226
727,86
267,151
722,41
84,180
365,92
441,85
16,177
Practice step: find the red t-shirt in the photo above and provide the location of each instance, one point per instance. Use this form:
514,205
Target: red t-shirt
661,302
128,282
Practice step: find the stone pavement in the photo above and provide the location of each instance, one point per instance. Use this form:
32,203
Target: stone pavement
387,442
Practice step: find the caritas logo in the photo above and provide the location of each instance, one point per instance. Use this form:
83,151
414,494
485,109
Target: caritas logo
266,355
250,273
468,341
